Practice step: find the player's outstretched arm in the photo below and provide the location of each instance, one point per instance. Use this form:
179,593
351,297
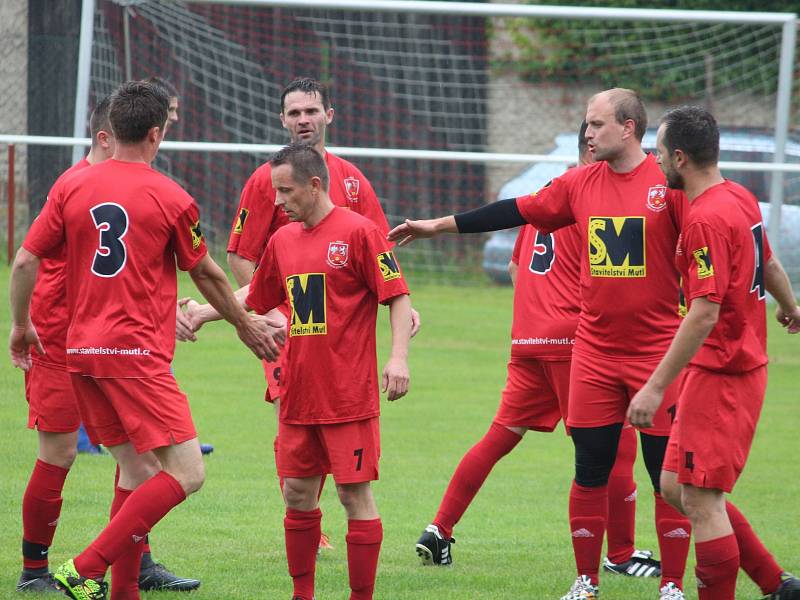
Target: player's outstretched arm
395,376
694,329
23,334
253,330
407,232
241,268
777,282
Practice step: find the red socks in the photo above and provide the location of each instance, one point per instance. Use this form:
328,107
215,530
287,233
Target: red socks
755,559
41,507
622,500
587,520
145,507
717,567
302,530
470,474
125,570
363,547
674,534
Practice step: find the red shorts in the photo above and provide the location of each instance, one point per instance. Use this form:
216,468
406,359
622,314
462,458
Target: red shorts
600,390
52,405
348,450
536,394
272,372
715,425
149,412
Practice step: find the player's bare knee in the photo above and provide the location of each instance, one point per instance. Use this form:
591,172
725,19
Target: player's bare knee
357,500
671,490
298,495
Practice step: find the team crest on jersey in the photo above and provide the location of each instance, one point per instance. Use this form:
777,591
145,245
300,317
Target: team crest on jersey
197,235
239,227
703,259
388,266
617,247
657,198
337,254
351,186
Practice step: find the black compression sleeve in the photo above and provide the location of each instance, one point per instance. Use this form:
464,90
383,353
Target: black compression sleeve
502,214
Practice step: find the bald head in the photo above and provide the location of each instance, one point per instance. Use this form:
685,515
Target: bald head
627,105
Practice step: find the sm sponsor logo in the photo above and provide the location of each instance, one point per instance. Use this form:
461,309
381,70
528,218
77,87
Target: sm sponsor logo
703,259
388,266
240,220
617,247
306,293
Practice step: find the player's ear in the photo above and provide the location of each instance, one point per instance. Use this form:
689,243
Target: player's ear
103,138
283,119
628,128
329,116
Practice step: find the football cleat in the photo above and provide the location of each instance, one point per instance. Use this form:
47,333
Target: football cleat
156,577
671,592
789,589
77,587
37,583
433,549
640,564
582,589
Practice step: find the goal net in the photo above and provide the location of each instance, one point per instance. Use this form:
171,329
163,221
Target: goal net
424,82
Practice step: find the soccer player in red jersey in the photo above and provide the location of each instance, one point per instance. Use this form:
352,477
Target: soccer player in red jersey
334,267
629,225
727,267
123,227
546,308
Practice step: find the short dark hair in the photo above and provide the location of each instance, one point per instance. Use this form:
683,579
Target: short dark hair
137,107
693,130
305,161
309,86
99,120
164,83
582,143
628,105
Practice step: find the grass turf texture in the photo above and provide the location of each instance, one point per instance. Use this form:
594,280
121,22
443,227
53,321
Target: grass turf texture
512,543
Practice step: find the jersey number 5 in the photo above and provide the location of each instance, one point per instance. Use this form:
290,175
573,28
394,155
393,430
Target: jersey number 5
111,221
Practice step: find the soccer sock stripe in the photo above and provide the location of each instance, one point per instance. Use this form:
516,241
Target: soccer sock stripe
470,474
755,559
621,527
302,532
674,535
364,539
717,567
41,508
587,519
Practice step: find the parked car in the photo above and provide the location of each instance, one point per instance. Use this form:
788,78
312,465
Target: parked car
741,145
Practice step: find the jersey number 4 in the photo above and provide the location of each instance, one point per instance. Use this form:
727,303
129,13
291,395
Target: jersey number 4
111,221
544,253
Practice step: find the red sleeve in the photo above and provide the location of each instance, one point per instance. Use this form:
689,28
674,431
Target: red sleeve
518,245
46,234
370,206
254,217
187,238
379,267
767,247
550,208
266,289
708,255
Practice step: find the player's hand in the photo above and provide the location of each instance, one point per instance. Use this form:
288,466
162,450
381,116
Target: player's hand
407,232
259,336
789,320
184,332
643,407
395,378
19,345
416,322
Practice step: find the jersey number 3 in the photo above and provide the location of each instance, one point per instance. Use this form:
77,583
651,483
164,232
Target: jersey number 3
111,221
544,253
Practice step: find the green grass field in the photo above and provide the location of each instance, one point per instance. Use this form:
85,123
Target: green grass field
513,542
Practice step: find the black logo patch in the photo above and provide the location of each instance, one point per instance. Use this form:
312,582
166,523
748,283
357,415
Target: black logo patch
617,247
306,293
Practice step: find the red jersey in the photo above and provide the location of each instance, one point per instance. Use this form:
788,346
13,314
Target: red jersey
123,225
721,256
333,275
628,225
257,218
546,293
49,300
